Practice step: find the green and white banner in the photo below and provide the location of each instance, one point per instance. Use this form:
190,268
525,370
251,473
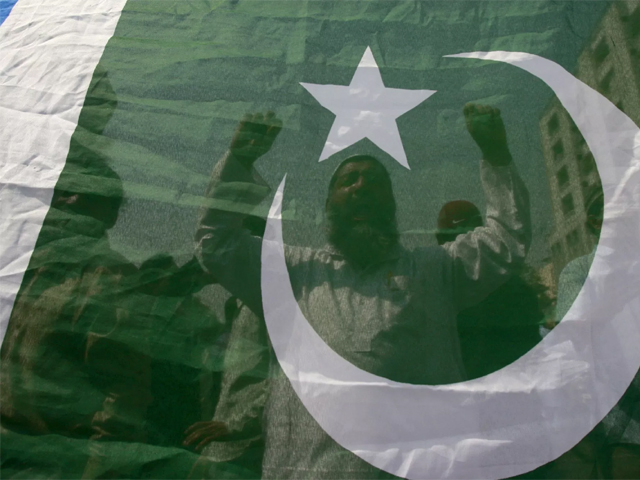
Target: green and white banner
321,240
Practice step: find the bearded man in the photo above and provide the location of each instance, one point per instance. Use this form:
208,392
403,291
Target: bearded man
385,309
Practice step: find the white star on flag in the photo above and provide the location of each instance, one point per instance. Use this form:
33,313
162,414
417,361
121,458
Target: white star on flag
366,109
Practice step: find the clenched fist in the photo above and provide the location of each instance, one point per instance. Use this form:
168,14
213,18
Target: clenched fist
254,136
486,127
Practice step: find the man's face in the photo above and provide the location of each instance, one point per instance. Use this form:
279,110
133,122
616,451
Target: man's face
362,193
361,212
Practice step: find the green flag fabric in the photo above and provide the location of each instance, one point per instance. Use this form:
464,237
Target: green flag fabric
320,239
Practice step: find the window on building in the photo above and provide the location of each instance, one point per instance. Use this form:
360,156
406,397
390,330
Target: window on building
601,52
586,163
573,239
568,206
579,142
553,125
562,176
586,188
605,84
574,128
558,151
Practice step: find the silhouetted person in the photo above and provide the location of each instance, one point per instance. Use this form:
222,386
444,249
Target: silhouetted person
153,362
505,325
183,333
72,287
387,310
235,434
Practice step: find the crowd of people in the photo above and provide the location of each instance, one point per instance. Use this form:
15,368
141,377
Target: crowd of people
102,356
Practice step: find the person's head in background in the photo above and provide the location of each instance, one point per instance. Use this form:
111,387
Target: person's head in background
256,225
456,218
89,189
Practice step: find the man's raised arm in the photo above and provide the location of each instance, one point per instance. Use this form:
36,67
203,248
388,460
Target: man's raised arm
486,257
224,246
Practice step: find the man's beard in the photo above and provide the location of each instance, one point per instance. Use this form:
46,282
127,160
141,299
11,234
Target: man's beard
362,242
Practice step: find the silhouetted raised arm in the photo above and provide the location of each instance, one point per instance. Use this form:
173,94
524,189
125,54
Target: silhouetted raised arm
486,257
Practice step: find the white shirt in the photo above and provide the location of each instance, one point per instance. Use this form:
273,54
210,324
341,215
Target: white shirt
396,318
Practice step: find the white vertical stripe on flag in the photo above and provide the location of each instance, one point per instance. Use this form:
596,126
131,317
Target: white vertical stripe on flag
50,49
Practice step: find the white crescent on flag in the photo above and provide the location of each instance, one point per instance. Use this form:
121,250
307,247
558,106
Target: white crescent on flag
501,425
526,414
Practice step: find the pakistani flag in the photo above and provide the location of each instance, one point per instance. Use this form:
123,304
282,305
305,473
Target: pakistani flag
319,239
